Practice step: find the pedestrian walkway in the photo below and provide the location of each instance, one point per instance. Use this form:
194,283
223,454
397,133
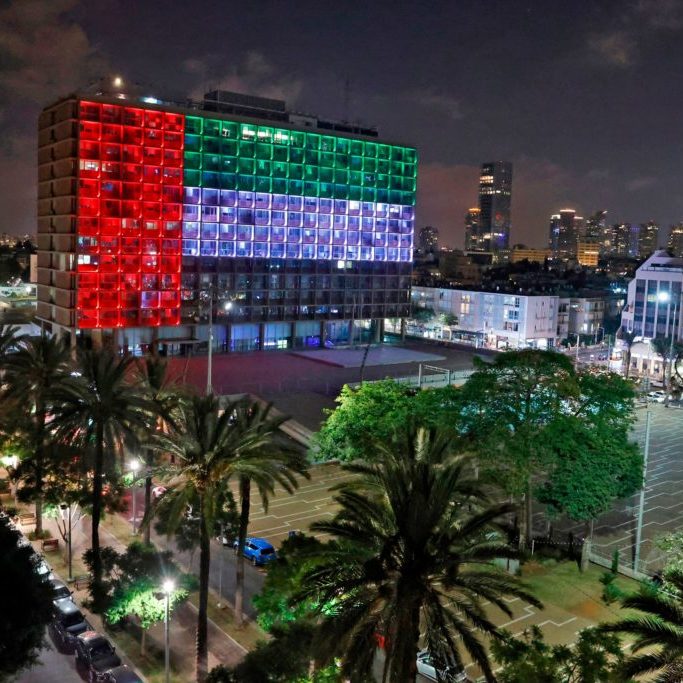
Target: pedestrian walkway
222,648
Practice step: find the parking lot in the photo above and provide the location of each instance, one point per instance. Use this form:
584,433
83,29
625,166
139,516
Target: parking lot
663,510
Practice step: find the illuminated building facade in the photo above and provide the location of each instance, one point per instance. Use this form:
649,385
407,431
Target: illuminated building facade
495,198
472,229
565,230
149,211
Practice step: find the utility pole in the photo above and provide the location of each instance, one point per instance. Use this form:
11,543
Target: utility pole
209,366
641,506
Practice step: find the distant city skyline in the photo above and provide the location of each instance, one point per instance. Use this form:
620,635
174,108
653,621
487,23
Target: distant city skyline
458,99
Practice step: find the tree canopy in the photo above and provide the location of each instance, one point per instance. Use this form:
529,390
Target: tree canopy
375,411
26,600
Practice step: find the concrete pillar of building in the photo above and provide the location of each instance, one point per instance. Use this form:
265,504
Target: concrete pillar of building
376,330
228,337
351,330
261,336
403,329
322,333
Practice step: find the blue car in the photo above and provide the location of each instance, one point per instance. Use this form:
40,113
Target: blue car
257,550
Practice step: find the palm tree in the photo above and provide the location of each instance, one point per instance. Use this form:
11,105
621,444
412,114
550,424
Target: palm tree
211,444
163,394
100,407
267,461
9,338
412,548
33,373
627,337
659,631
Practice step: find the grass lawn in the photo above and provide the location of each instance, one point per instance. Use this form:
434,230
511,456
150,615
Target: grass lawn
562,585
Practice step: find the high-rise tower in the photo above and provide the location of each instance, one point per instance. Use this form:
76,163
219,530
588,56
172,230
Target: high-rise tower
495,197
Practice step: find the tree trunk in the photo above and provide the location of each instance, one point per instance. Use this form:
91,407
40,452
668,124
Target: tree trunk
39,516
404,639
96,585
245,502
143,641
628,363
147,534
202,652
529,515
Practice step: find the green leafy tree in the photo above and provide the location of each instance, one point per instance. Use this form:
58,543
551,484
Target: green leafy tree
282,659
136,588
511,403
525,413
591,469
103,411
33,374
529,659
283,581
423,315
656,635
413,546
26,600
374,411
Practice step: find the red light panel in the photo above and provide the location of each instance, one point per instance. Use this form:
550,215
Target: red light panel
129,211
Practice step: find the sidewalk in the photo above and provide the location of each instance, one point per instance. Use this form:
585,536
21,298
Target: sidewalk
222,648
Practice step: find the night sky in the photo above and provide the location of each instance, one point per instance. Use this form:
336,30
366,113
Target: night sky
584,97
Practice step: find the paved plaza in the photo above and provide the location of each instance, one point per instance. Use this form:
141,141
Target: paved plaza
376,355
663,510
302,387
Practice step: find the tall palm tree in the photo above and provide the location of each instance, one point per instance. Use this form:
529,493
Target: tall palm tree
411,557
101,408
164,394
659,631
33,373
9,338
265,460
210,444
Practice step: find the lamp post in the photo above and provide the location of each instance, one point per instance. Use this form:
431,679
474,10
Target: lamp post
134,467
168,588
66,516
641,506
220,567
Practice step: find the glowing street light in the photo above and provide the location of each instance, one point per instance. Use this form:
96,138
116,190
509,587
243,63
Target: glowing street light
168,588
117,82
663,296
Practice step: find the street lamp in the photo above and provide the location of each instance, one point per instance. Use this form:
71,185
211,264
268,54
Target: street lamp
66,517
134,467
641,503
168,588
664,297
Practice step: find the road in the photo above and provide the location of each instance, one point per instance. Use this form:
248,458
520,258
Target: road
53,667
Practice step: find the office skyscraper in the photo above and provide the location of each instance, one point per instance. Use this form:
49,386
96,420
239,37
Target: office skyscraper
428,240
472,229
675,241
648,235
495,197
596,225
565,230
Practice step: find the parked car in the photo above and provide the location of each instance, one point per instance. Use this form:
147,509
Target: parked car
68,622
657,396
41,567
121,674
96,653
425,667
257,550
60,590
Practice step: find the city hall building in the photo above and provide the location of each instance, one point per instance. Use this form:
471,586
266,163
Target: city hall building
285,229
